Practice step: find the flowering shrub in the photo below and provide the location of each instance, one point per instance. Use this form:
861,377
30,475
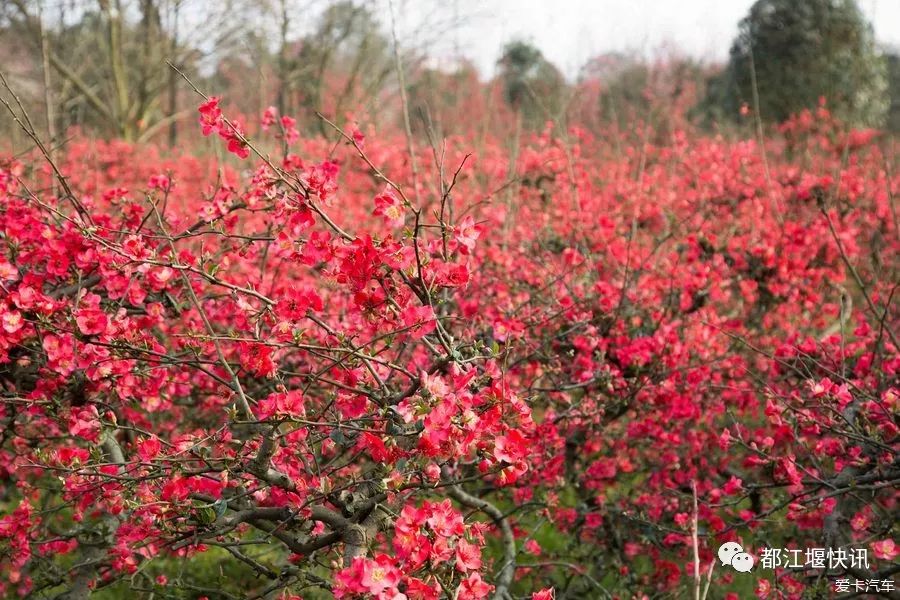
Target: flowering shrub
342,384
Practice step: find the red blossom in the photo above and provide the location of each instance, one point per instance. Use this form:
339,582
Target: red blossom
473,588
389,208
210,116
85,423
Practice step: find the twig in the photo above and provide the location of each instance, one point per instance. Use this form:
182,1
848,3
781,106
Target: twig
405,103
508,569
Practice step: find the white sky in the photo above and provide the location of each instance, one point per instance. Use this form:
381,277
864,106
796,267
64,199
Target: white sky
569,32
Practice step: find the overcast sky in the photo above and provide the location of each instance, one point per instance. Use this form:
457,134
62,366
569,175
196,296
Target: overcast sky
571,31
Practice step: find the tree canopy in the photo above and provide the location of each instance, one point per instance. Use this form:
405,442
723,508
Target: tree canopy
794,53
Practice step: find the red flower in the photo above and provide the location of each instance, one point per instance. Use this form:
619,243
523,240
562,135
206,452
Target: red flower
445,521
84,422
473,588
452,275
289,404
210,116
416,589
419,320
236,144
389,207
91,321
295,302
148,448
211,120
360,262
257,358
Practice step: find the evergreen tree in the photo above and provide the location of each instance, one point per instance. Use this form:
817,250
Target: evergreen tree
794,52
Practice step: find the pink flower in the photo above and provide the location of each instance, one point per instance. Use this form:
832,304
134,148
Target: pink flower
419,320
12,321
84,422
60,353
533,548
389,207
210,116
473,588
860,521
885,549
159,182
289,127
358,138
466,234
468,556
445,521
268,118
510,447
433,472
91,321
380,575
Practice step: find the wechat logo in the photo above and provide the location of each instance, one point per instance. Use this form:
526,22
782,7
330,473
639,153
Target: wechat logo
731,553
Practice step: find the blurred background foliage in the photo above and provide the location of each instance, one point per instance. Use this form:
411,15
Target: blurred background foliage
102,66
793,53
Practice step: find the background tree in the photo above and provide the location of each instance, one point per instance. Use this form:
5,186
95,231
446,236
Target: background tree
793,53
107,65
533,86
893,69
626,92
344,62
445,100
106,61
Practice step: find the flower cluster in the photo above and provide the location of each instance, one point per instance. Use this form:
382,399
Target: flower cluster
212,121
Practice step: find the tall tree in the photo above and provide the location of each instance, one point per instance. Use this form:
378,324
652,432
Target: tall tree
788,54
344,62
533,86
893,62
108,59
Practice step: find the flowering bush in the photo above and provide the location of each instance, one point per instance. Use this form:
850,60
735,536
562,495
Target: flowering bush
345,379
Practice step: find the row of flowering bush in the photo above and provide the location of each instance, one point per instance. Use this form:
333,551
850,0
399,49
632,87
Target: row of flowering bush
355,377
